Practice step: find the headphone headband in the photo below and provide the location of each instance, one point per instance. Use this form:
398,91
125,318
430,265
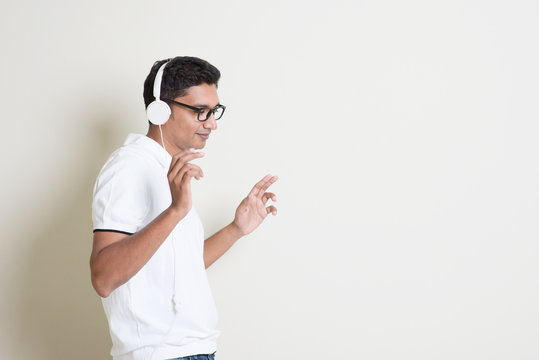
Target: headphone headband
158,80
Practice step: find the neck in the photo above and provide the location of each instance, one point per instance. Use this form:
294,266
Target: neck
155,134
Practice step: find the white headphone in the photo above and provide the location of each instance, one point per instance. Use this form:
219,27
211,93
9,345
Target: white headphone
158,111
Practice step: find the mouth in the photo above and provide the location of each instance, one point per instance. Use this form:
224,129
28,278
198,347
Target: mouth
204,136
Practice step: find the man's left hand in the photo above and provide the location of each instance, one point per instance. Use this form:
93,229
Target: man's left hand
252,210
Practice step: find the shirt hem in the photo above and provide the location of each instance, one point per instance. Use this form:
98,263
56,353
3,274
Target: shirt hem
169,351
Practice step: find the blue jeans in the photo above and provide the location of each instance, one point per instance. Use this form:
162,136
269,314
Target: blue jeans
197,357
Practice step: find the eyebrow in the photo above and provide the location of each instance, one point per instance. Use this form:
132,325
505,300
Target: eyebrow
206,106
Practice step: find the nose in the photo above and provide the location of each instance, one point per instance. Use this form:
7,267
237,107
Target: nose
211,123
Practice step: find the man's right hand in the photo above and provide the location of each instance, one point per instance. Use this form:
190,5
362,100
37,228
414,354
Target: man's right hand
179,179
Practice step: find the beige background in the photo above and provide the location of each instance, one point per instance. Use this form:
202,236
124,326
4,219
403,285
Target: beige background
404,135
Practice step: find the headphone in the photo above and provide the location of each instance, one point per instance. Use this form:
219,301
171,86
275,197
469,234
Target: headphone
158,111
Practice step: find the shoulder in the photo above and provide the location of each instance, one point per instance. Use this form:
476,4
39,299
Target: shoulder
127,161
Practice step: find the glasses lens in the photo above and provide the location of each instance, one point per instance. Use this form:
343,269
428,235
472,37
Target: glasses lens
218,112
204,114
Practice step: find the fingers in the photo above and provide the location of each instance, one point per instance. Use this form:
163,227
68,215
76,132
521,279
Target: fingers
258,186
266,185
268,196
179,155
261,186
193,169
271,209
180,160
183,154
190,170
186,178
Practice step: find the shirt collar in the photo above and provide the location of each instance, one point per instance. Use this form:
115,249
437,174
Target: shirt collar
155,149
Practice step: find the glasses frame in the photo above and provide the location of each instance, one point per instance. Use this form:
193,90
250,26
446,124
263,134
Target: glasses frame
199,110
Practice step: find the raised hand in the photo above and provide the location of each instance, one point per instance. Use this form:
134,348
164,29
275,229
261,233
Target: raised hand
252,210
179,179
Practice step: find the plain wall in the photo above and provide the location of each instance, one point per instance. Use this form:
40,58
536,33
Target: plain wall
405,138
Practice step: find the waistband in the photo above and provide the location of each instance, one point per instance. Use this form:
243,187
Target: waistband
197,357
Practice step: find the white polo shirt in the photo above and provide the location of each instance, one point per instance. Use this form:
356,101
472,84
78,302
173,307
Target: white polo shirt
166,310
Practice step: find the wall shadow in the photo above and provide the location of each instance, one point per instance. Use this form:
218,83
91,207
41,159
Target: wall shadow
58,314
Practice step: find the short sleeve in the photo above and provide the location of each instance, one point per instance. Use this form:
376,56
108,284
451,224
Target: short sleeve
120,201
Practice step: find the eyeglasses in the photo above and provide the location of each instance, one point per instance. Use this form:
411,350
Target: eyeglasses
203,114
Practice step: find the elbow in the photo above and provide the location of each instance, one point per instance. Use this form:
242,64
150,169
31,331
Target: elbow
99,286
100,282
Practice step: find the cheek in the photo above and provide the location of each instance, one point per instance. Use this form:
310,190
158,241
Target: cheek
186,130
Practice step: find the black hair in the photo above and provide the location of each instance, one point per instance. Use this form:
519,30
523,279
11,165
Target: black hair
181,73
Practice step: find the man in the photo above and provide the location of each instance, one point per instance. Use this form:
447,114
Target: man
149,255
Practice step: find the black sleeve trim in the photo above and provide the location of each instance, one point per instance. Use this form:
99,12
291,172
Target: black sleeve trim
116,231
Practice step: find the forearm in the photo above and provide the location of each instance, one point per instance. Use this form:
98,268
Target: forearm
219,243
114,264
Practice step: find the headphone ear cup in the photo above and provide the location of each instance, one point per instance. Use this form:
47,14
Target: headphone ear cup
158,112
